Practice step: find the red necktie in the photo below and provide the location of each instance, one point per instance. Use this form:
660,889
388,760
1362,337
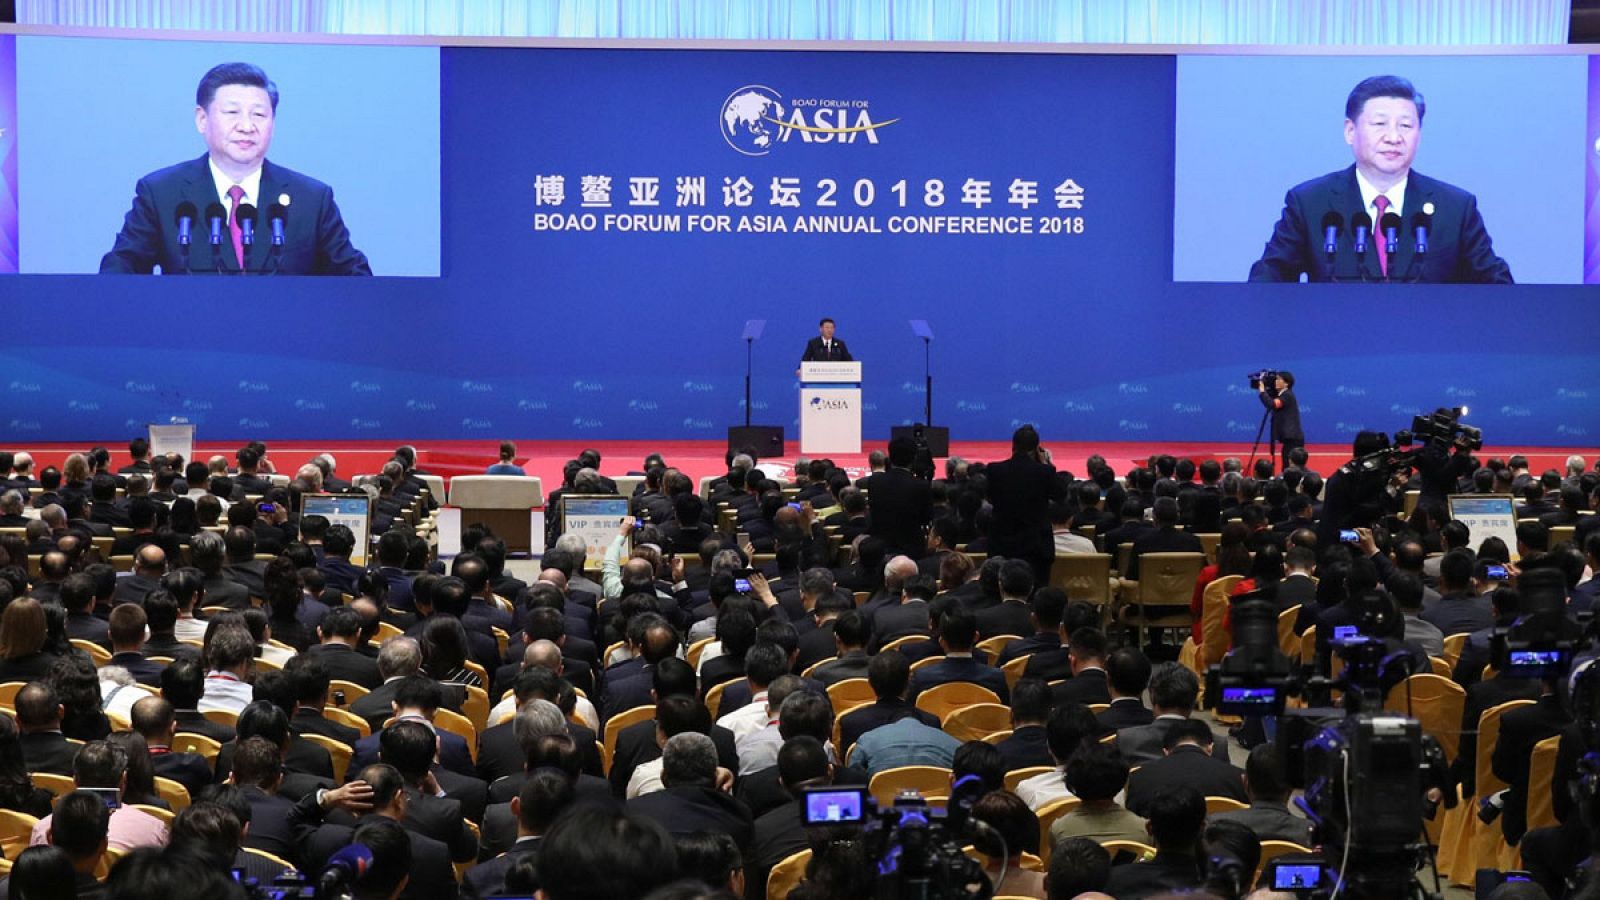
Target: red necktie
1382,203
236,194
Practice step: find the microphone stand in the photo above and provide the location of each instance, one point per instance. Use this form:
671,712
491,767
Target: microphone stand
927,386
749,361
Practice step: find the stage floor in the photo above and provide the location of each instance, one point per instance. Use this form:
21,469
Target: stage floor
701,458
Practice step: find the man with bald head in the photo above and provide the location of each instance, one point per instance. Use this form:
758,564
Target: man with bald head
157,722
11,511
53,569
545,655
149,564
896,572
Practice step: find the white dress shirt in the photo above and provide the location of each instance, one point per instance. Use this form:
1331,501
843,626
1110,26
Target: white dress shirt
1369,198
747,719
251,184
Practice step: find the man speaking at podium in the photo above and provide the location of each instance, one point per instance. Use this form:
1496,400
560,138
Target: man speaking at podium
1378,220
290,224
825,347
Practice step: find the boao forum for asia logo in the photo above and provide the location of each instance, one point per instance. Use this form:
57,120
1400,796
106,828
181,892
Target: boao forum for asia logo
755,119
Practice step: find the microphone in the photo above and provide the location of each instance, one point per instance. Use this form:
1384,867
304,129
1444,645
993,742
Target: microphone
246,217
1332,223
1421,223
1391,231
215,216
343,868
276,214
1361,227
186,215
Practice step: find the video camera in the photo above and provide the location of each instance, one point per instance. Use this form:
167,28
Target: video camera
339,873
1365,771
916,849
1438,431
1268,377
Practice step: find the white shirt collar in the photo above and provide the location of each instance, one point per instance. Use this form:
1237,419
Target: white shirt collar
1369,196
251,184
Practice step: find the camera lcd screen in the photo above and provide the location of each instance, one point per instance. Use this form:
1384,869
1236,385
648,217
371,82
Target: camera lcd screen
1250,696
742,585
1289,877
1345,632
835,807
1498,573
1349,537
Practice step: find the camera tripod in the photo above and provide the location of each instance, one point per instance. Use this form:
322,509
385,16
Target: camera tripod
1272,443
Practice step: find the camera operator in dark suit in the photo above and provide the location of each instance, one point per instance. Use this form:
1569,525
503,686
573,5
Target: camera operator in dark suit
1279,398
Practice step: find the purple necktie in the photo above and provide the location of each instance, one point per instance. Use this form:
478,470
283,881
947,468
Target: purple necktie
236,194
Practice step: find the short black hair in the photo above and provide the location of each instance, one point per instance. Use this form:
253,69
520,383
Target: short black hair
1096,772
79,823
1379,86
825,321
1078,865
1128,670
599,853
391,858
408,746
1265,771
1175,817
889,673
233,73
1069,725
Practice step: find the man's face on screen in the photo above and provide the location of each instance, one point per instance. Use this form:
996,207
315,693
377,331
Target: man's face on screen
1385,136
827,331
237,126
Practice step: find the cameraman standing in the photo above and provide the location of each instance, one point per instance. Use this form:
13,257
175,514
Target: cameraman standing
1280,400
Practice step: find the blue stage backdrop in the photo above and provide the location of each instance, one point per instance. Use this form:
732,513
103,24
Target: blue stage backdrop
612,217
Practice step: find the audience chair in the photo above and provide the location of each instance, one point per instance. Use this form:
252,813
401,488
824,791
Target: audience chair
1048,814
996,645
58,785
932,782
339,751
942,700
176,795
1018,776
1083,576
1437,703
1541,774
1014,670
209,748
16,829
616,723
972,723
787,875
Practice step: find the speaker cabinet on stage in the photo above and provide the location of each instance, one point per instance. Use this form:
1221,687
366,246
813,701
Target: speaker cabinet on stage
937,436
767,439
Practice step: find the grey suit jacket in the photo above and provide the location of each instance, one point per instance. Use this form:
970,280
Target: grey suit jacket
1143,743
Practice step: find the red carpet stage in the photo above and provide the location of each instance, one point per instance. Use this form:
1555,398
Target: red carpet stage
700,458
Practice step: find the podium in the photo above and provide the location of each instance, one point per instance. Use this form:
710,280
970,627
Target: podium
830,407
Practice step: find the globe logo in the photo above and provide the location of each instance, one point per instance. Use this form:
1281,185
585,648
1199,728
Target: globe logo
746,116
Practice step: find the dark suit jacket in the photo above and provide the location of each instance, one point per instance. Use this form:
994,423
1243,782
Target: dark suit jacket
441,819
1125,712
223,591
133,588
345,664
958,669
897,621
1020,490
188,769
1166,872
816,352
310,721
432,877
899,510
1086,687
777,835
1141,744
192,722
684,810
488,879
1459,248
1006,618
1189,766
453,754
1285,416
1031,644
316,241
1027,746
85,626
853,665
49,752
143,670
271,828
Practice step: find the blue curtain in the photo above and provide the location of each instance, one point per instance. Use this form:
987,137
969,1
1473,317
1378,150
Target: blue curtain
1375,23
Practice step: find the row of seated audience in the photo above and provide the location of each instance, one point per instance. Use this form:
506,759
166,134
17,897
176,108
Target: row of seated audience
616,756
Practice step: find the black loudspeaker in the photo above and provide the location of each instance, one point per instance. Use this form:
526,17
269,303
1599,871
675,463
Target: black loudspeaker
937,436
766,439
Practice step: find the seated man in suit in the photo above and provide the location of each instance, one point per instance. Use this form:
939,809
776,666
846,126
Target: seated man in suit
103,767
1047,607
957,632
430,874
689,800
399,659
1127,676
126,630
409,746
1173,692
44,747
417,698
1165,538
1087,653
1012,615
895,620
310,680
1266,782
850,636
1068,728
1188,761
340,633
154,720
544,796
1027,745
889,674
1383,126
182,684
81,824
235,106
1175,820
